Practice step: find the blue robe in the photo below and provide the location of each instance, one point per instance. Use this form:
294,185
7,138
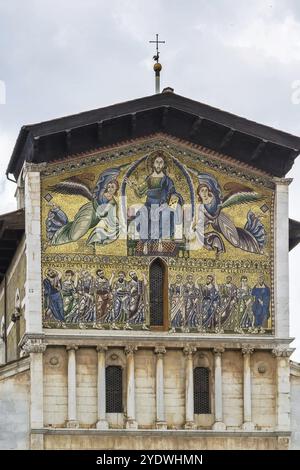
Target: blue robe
261,304
157,195
53,300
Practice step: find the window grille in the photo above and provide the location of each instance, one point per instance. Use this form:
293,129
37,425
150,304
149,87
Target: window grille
113,376
201,390
157,293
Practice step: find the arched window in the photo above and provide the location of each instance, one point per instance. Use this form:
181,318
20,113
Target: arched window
113,376
201,390
158,294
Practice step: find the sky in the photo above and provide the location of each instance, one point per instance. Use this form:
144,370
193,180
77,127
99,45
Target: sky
63,57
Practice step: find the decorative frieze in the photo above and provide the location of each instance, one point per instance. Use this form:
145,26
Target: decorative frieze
170,144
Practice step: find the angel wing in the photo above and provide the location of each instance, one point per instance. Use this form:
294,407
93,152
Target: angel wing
75,186
242,198
236,193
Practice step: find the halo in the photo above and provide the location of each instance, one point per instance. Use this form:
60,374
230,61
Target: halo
166,156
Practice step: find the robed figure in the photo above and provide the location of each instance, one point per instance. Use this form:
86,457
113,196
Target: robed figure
261,304
157,218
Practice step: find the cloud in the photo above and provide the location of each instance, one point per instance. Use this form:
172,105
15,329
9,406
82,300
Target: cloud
59,58
279,40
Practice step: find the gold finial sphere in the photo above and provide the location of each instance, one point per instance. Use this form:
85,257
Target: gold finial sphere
157,67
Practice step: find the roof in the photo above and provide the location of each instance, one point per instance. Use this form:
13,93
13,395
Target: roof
294,233
12,228
261,146
295,368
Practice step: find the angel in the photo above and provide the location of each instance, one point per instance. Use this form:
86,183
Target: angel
99,213
251,238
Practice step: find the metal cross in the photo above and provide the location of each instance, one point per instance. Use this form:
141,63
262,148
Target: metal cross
156,57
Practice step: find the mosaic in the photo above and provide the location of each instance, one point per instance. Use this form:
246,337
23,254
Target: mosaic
212,229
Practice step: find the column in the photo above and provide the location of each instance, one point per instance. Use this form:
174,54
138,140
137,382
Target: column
282,257
101,389
72,398
283,406
36,348
188,351
130,387
160,399
33,291
219,424
247,390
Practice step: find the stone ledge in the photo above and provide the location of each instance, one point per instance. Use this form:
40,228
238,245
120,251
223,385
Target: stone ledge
15,367
120,338
160,432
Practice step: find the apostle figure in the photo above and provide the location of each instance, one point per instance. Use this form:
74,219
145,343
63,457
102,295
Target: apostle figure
120,299
210,302
53,301
228,292
191,299
136,290
70,296
85,289
245,299
103,296
261,304
177,303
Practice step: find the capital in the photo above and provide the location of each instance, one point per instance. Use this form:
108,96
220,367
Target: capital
33,168
282,352
101,348
189,350
247,349
283,181
34,345
160,351
71,347
130,350
218,351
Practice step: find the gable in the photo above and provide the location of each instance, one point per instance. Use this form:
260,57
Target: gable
261,146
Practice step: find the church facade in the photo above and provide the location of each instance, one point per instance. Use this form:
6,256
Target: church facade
144,296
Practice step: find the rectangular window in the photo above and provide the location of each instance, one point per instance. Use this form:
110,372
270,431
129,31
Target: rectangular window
114,393
201,391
